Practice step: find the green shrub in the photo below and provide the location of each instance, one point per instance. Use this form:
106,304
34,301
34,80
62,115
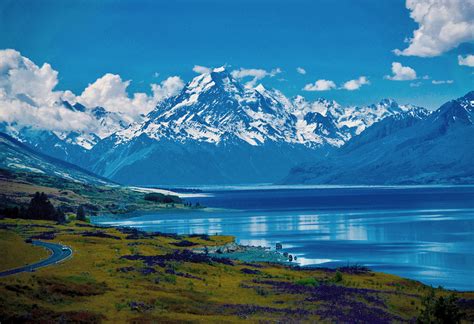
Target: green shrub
439,310
307,282
338,276
169,278
261,291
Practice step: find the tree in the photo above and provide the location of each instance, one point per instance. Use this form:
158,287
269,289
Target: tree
41,208
60,216
81,214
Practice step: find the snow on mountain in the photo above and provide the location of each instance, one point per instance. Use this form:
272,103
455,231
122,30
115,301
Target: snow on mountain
411,147
217,130
216,108
70,146
18,157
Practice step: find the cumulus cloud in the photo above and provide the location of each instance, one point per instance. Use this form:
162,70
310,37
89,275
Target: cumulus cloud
201,69
20,76
255,74
442,82
168,88
352,85
442,26
320,85
110,92
401,73
326,85
300,70
467,60
27,96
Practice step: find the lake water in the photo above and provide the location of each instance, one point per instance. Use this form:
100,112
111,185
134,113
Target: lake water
422,233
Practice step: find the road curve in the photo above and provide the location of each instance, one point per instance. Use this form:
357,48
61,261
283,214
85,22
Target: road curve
58,254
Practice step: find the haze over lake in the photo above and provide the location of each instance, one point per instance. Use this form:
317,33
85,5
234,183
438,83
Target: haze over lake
422,233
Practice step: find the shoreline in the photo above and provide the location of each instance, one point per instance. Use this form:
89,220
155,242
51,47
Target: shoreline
257,254
113,267
246,253
266,186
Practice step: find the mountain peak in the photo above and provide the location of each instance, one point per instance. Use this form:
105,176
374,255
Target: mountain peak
260,88
469,96
388,102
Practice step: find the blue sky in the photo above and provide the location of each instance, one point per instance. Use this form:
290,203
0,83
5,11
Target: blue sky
331,40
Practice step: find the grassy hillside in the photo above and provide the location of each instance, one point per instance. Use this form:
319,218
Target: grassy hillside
24,253
24,171
17,188
128,276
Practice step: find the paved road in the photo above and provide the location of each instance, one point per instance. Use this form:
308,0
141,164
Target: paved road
57,255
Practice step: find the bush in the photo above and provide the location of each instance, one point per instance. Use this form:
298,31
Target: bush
312,282
439,310
338,276
81,214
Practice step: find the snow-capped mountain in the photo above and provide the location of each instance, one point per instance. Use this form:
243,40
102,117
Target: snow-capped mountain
70,146
215,108
437,148
18,157
219,131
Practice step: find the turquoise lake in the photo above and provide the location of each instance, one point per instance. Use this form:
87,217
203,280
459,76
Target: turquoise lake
422,233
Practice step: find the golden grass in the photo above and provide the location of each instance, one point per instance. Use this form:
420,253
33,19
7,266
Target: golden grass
14,252
180,291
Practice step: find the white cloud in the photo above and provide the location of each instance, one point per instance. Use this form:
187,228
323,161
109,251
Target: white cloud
320,85
442,82
110,92
169,87
19,75
415,84
326,85
255,74
27,96
442,26
201,69
352,85
401,73
300,70
468,60
274,72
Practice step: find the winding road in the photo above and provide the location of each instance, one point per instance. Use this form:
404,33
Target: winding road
58,253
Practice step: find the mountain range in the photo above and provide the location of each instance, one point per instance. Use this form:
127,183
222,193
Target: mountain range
218,131
434,149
